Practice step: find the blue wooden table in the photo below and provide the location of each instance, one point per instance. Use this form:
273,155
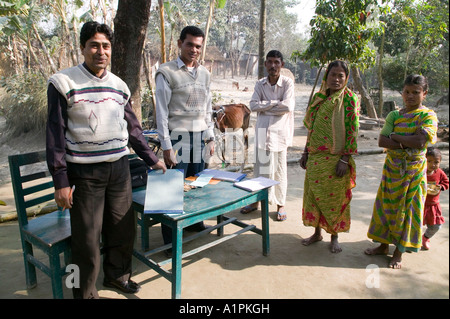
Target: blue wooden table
201,204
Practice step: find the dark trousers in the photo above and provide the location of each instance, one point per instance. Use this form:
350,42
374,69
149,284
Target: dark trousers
101,211
192,165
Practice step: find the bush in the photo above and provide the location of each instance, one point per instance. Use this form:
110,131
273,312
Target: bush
25,103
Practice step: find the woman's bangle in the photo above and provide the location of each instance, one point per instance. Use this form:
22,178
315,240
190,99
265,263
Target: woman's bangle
341,160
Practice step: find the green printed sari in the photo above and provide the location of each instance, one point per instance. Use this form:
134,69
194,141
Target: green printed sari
398,208
332,123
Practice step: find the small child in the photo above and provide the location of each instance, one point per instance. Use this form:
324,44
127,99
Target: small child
437,181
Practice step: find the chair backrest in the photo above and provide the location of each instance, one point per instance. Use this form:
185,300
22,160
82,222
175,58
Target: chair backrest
31,182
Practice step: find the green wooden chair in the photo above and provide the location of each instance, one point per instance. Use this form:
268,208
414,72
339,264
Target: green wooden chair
49,233
143,220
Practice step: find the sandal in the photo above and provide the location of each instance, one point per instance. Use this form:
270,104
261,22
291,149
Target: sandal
248,209
281,216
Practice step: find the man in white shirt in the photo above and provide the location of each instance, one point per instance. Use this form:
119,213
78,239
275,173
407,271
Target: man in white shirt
273,100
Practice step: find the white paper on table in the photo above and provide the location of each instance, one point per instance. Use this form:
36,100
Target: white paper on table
256,184
202,180
165,192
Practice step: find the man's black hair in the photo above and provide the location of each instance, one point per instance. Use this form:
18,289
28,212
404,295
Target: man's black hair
275,54
192,30
90,28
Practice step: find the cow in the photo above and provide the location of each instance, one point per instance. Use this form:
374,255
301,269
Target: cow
232,117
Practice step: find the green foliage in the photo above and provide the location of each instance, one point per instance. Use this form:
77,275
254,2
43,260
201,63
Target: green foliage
416,41
220,4
342,30
25,104
235,25
216,97
13,7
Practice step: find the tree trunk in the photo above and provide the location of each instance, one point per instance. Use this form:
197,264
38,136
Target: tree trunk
163,31
93,11
208,24
72,49
231,49
44,49
36,59
77,41
149,78
406,62
60,8
366,99
380,77
314,87
104,11
262,39
15,57
130,26
248,59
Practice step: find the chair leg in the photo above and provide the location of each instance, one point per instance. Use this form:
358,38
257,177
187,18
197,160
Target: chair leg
56,276
30,269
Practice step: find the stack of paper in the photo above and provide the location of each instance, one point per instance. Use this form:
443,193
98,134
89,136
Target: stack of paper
223,175
165,192
255,184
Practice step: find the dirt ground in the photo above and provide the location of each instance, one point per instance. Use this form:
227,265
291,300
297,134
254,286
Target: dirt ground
237,269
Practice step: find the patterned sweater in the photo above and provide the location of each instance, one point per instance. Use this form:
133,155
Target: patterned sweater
188,104
96,128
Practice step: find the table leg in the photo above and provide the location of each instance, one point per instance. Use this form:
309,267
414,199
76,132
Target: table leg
177,251
265,226
144,232
220,229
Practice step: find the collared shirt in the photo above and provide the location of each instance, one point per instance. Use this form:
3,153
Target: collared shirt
163,94
274,105
56,142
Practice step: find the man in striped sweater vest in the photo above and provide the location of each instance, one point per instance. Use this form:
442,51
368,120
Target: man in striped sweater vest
90,123
184,111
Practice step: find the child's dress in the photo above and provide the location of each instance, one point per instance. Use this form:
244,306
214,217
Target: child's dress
432,214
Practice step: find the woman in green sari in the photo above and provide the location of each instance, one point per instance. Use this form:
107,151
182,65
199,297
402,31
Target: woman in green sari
398,208
332,120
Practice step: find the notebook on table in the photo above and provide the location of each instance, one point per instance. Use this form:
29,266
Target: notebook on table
165,192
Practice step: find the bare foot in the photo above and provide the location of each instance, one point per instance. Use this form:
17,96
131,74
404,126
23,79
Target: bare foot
383,249
312,239
334,245
396,260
